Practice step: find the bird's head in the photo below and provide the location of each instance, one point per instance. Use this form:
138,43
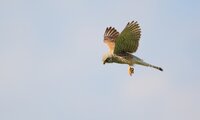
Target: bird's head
107,58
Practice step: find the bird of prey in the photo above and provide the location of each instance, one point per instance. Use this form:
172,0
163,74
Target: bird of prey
121,45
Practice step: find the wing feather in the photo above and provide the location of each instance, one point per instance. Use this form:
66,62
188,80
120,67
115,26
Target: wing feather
128,40
110,36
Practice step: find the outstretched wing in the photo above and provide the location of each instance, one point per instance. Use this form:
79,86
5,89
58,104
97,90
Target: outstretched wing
110,36
128,40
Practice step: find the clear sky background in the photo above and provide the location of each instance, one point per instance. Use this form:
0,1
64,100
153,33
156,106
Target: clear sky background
51,68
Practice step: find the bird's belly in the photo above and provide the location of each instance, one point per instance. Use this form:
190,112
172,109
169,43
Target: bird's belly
122,60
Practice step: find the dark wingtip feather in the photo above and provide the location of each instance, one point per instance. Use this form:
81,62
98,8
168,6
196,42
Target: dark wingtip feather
111,32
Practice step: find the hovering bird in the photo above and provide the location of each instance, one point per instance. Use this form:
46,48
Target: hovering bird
121,45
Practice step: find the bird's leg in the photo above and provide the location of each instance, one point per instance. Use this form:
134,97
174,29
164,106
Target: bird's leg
130,70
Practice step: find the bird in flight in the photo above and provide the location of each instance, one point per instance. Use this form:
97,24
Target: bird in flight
121,45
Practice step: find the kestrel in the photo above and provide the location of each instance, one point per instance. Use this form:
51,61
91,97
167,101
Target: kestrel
121,45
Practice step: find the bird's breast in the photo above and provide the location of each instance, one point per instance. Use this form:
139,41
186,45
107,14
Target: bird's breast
123,60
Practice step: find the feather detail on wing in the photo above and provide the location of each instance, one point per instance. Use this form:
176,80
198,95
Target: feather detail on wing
109,37
128,40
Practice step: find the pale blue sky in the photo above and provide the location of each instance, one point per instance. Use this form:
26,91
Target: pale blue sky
51,68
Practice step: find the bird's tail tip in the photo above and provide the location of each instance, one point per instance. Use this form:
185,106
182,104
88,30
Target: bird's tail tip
160,69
